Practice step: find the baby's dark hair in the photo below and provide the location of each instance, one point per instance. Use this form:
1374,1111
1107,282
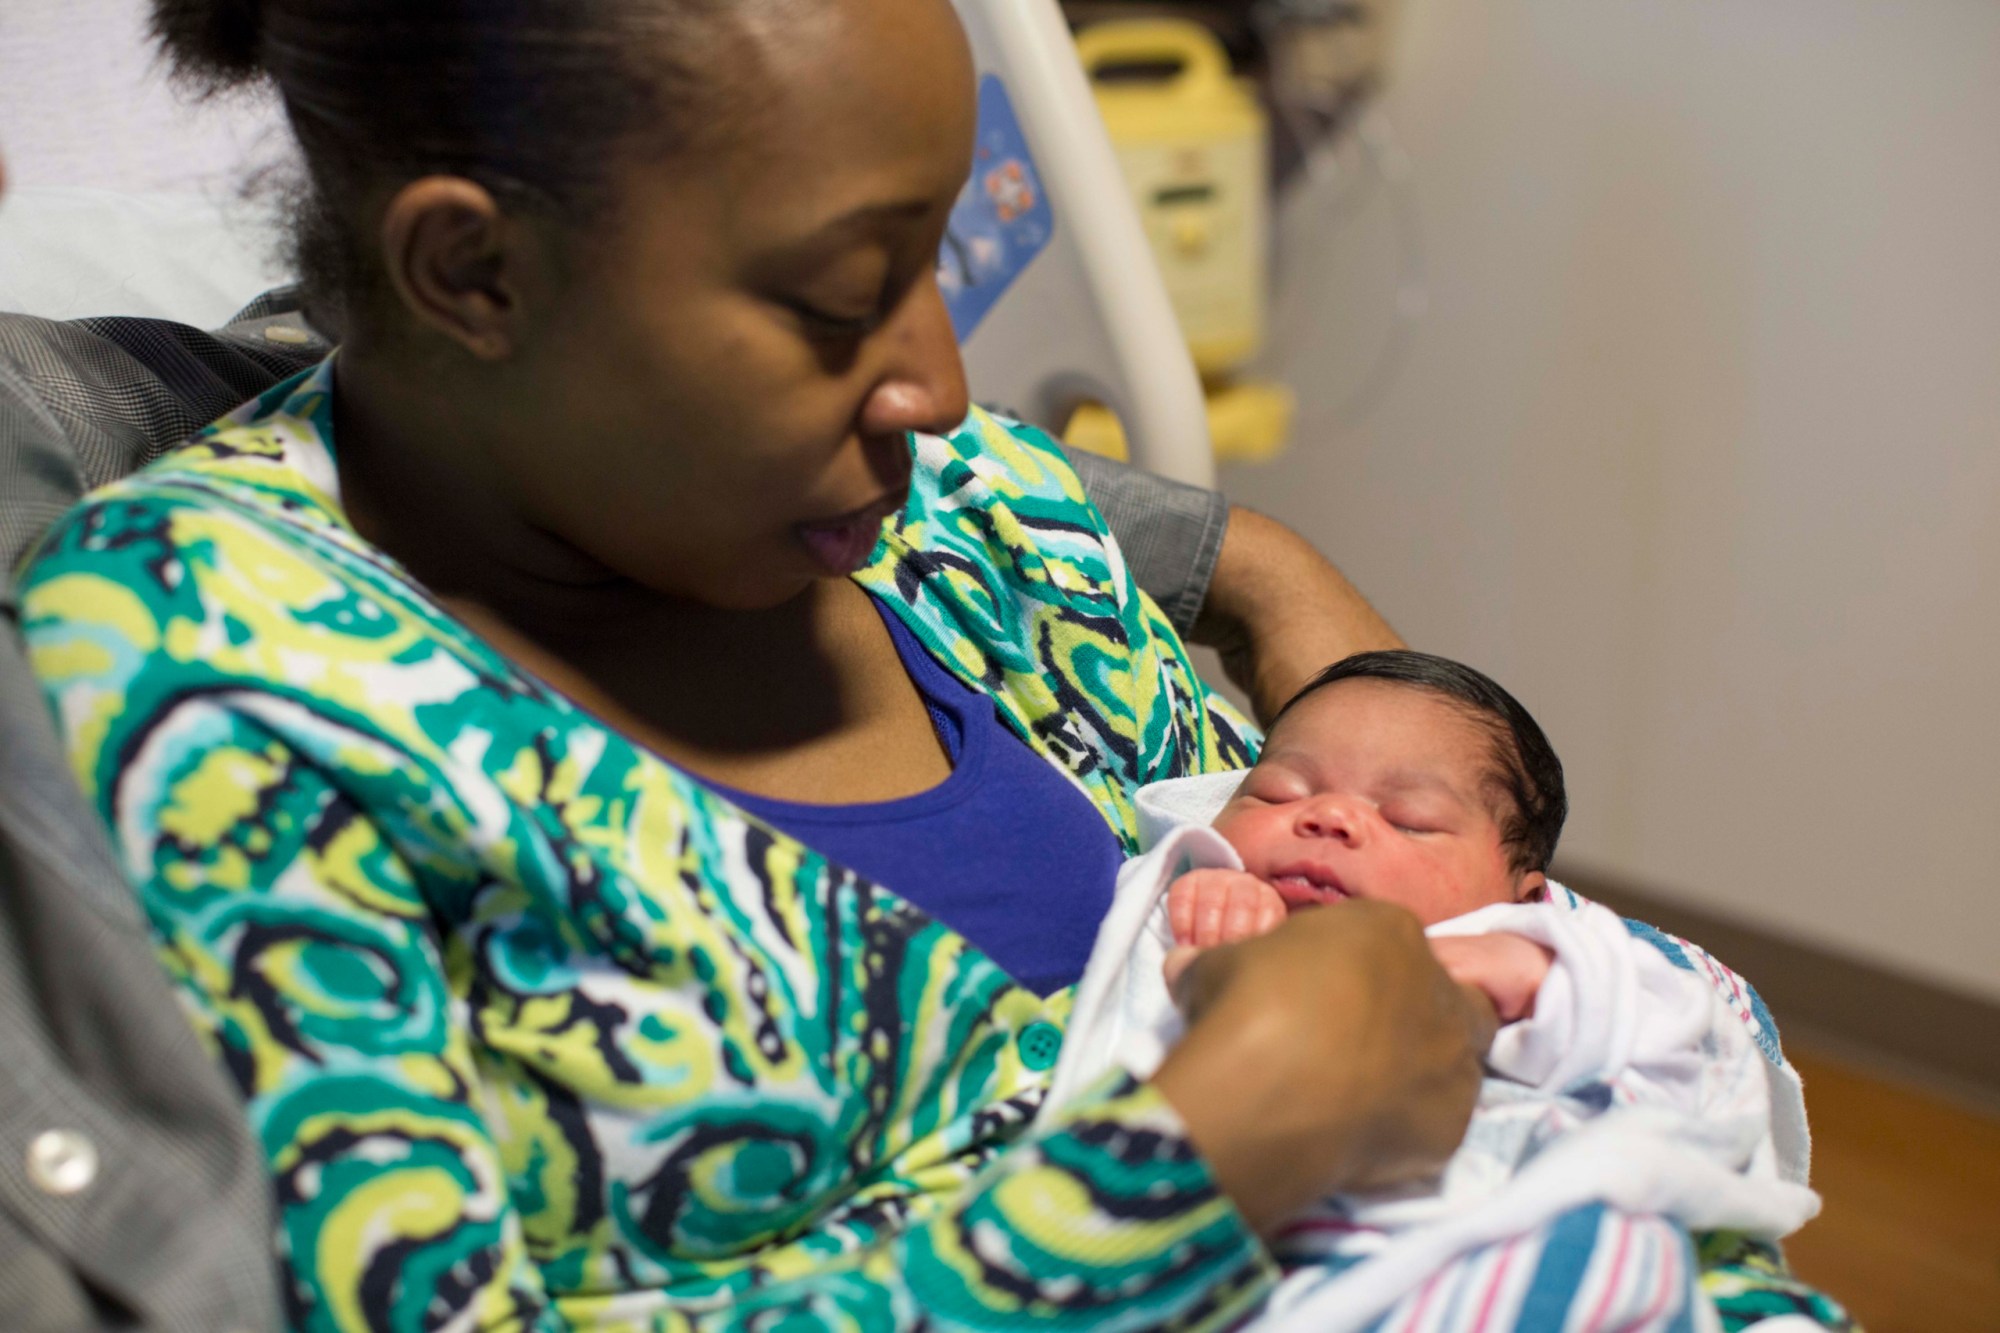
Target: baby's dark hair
1526,772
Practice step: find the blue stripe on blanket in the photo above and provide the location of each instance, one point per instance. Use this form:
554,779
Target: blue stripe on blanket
1691,1296
1662,941
1572,1241
1767,1026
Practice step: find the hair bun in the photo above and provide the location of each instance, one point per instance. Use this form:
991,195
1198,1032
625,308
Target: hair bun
212,44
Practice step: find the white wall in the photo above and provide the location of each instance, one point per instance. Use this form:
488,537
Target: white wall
1698,446
84,103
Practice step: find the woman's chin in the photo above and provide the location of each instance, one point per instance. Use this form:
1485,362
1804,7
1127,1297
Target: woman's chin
740,591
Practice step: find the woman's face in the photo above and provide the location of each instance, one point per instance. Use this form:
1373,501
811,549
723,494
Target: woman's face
722,387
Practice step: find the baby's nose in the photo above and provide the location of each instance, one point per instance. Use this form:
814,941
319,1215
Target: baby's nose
1331,816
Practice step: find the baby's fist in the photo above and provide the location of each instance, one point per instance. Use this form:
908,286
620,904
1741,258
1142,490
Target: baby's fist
1210,907
1508,969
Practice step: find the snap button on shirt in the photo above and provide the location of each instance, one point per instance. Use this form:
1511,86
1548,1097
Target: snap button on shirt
62,1161
1040,1044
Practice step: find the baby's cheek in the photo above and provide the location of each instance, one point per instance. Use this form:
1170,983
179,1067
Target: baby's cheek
1462,888
1231,825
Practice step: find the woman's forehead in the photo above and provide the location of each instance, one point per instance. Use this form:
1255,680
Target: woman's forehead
842,83
847,115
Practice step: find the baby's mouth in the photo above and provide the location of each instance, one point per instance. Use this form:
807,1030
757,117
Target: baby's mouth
1304,890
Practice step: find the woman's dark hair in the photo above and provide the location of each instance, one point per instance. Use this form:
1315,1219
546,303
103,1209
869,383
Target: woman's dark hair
1526,771
530,98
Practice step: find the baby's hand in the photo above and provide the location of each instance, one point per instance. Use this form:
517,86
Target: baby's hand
1507,969
1209,907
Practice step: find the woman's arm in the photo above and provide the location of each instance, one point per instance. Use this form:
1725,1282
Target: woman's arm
308,957
1278,611
470,1072
307,950
1234,580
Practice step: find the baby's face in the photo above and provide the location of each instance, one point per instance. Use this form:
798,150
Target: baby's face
1370,789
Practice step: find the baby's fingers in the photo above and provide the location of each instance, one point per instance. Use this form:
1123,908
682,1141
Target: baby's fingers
1178,961
1508,969
1198,905
1215,906
1181,897
1267,912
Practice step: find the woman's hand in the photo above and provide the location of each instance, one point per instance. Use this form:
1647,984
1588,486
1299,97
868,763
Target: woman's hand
1507,969
1331,1054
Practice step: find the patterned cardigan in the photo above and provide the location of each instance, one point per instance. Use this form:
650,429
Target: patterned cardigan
538,1032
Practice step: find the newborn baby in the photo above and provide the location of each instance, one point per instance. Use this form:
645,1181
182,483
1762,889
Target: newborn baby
1397,776
1633,1075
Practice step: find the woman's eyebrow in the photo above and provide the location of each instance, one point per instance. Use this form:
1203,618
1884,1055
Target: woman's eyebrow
857,222
825,241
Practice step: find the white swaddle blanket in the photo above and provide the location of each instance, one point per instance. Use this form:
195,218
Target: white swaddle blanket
1646,1091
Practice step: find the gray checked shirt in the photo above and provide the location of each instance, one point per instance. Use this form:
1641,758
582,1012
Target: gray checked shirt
131,1195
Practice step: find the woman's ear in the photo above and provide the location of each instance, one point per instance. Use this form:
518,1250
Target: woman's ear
1533,888
458,263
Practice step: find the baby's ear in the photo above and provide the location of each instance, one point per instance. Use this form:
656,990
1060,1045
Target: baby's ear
1534,888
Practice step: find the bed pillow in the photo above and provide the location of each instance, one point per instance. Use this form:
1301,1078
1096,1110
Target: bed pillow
69,252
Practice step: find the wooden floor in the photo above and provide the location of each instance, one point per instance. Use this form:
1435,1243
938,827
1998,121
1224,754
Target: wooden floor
1910,1239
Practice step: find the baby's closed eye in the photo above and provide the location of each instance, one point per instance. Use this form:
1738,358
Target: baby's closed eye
1419,816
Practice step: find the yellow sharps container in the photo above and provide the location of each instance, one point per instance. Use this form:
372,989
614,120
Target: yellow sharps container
1192,142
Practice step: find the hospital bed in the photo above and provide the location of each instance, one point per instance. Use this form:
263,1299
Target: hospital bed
1086,315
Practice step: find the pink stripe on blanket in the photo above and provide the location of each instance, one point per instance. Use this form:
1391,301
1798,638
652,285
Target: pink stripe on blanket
1617,1275
1493,1287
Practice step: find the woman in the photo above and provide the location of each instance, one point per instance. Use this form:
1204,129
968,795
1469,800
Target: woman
426,694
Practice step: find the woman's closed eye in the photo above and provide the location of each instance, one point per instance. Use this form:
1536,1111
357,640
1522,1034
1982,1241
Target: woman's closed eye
817,322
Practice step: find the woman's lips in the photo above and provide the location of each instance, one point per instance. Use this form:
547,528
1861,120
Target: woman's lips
843,544
1303,890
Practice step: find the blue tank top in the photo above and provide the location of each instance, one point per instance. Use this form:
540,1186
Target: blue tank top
1006,851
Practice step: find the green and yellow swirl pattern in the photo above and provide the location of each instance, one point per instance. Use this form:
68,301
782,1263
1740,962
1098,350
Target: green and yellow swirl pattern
536,1031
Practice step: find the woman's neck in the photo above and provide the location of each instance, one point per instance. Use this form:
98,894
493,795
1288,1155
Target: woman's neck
805,699
412,451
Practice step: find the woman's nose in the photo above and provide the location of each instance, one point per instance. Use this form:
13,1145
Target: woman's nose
923,385
1331,817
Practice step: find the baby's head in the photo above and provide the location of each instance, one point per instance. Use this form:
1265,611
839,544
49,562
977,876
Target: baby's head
1404,777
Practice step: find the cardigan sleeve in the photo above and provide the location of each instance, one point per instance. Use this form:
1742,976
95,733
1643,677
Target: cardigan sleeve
1106,1218
302,948
304,954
